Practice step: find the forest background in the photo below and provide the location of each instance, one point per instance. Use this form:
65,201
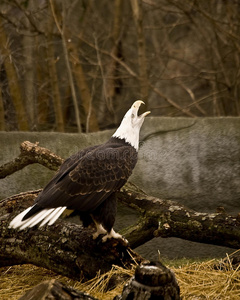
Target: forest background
76,66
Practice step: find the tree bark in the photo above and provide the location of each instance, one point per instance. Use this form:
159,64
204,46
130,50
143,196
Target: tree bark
64,247
165,218
151,281
110,82
142,60
90,117
54,289
2,118
29,56
67,62
54,82
29,154
13,81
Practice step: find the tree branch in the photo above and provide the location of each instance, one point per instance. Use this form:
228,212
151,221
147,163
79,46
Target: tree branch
30,154
185,111
165,218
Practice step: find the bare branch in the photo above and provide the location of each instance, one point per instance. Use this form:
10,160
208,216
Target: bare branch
192,96
30,154
133,74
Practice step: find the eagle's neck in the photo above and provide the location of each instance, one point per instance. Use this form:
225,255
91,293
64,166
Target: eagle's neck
117,141
129,135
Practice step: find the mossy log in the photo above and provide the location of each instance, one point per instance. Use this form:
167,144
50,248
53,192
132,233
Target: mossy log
165,218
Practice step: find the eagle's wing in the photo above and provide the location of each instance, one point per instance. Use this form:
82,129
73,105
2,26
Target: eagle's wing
85,180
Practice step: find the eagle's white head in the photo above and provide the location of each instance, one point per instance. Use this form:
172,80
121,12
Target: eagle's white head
130,126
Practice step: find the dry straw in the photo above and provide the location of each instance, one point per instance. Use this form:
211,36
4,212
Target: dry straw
212,279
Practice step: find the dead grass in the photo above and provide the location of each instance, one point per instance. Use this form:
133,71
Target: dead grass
207,280
197,280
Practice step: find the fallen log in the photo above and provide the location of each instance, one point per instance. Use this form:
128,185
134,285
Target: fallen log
65,248
54,289
165,218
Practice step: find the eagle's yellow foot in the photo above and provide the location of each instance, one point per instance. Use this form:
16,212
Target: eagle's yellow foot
100,230
114,235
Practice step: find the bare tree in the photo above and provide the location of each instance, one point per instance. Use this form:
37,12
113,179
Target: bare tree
75,66
53,75
62,31
142,62
2,119
13,79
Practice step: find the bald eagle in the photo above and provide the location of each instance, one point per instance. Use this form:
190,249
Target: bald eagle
87,181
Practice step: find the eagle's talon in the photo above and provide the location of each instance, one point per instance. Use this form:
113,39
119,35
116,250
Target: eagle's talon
100,230
114,235
95,235
125,240
98,240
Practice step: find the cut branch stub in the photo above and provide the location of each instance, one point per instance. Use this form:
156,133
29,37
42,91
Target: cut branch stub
151,281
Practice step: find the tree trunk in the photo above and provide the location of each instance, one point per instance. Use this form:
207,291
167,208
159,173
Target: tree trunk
2,119
90,117
142,60
110,82
43,100
62,32
13,82
56,98
29,57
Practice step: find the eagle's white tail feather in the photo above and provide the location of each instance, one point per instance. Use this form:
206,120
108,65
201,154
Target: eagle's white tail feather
49,217
37,218
17,221
53,216
46,215
42,216
58,214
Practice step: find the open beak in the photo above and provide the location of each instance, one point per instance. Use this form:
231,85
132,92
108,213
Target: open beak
136,106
